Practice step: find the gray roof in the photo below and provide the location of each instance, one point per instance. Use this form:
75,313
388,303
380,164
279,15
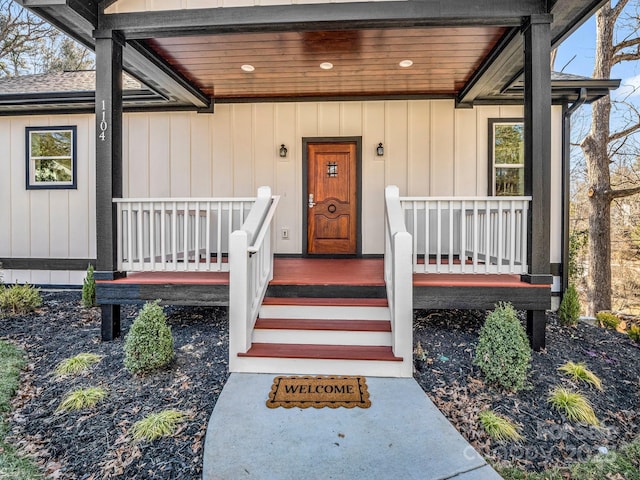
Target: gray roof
567,76
58,82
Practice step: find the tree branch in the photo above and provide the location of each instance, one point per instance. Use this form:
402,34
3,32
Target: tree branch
623,133
625,192
633,42
624,57
617,10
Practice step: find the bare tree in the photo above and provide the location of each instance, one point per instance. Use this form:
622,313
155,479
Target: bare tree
602,147
20,33
64,54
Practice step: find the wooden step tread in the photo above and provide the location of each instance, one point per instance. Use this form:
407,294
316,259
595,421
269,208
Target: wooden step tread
327,302
321,352
334,325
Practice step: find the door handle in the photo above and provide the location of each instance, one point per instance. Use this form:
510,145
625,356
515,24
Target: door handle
311,202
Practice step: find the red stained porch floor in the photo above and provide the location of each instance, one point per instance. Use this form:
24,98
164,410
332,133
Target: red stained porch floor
319,271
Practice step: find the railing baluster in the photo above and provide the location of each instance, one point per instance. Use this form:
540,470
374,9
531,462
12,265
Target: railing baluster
163,234
463,237
450,214
130,236
140,237
438,235
185,235
196,236
427,237
523,241
207,240
152,237
476,236
121,237
512,236
414,229
500,240
487,232
174,235
219,236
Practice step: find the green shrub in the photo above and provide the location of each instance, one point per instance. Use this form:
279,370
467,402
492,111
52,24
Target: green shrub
634,333
81,398
77,364
579,371
149,344
19,299
569,311
156,425
574,405
503,353
498,427
89,289
607,320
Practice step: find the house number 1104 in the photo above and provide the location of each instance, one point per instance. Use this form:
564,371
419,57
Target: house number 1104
103,123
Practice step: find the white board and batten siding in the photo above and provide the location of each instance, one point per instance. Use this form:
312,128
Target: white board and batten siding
46,223
431,149
130,6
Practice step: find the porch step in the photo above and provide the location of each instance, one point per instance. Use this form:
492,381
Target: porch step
334,325
325,308
323,336
315,302
332,332
321,352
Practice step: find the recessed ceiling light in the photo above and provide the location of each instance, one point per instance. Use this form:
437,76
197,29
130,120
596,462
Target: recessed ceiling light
326,65
406,63
247,68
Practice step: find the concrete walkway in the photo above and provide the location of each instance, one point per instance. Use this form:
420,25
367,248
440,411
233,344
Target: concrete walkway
401,436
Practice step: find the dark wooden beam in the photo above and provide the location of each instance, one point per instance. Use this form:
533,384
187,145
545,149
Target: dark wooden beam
108,165
481,298
499,70
508,46
144,63
569,15
46,263
310,17
537,161
537,141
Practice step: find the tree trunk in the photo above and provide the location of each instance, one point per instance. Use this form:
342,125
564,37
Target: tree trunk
595,147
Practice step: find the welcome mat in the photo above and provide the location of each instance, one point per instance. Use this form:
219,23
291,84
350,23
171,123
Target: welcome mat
318,392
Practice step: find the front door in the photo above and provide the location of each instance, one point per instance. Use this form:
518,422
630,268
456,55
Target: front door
332,198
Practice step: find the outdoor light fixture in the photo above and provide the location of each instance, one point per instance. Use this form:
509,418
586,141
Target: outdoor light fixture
380,150
283,151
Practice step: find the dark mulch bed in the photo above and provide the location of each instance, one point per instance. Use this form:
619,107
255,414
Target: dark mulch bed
449,339
95,444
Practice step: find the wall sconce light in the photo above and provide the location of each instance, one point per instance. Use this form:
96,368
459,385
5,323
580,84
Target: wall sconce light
283,151
380,150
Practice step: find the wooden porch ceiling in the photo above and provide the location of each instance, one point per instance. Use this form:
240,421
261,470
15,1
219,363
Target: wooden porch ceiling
366,62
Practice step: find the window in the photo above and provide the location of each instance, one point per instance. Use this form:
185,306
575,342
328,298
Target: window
506,157
51,157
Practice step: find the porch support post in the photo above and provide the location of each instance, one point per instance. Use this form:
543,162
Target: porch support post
537,161
108,166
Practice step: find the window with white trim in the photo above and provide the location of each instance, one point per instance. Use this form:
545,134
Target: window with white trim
51,157
506,157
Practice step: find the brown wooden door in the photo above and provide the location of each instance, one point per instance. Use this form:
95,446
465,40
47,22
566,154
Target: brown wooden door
331,203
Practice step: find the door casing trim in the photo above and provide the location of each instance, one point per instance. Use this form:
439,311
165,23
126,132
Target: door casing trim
305,191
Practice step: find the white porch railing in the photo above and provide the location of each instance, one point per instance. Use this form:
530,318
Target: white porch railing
177,234
251,261
398,278
467,234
